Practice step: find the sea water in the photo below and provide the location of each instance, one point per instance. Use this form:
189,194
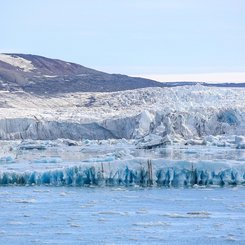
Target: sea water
73,215
65,212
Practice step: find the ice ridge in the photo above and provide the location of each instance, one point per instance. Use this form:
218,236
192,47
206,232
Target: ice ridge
95,175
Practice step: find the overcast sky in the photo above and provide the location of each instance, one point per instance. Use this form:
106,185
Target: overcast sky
135,37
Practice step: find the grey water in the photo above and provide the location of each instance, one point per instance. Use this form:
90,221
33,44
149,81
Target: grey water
120,215
63,215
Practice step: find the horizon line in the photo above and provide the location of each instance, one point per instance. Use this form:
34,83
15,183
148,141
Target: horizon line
226,77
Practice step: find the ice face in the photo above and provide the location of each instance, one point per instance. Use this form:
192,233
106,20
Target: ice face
181,113
119,163
134,175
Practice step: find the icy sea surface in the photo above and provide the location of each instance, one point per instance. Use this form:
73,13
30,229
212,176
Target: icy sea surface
119,163
71,215
99,193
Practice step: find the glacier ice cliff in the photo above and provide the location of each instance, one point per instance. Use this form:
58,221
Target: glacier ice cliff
131,173
180,114
122,162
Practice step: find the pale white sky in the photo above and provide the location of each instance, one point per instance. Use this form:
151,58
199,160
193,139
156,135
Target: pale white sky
198,77
179,37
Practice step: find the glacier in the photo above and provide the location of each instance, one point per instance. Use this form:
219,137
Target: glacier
180,113
147,164
143,137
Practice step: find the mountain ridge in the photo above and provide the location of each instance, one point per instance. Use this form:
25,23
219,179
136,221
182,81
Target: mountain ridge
40,75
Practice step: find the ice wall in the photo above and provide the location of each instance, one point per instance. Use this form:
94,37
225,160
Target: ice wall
177,125
151,173
180,113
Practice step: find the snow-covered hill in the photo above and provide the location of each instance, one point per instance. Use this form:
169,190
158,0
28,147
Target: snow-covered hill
41,75
186,114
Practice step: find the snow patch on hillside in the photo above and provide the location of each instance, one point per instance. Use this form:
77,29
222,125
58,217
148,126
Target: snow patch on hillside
18,62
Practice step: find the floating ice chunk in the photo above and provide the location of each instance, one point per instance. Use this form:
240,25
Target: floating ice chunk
152,224
201,214
48,160
195,142
240,142
109,158
70,142
111,213
49,76
32,145
25,201
7,159
152,141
